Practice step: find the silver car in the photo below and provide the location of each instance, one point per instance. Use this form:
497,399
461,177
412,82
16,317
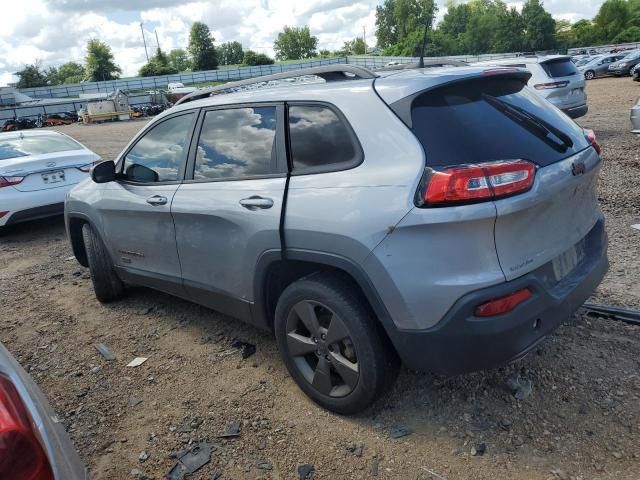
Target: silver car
555,78
599,66
33,442
445,217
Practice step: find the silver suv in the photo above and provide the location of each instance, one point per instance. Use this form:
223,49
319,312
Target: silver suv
447,218
555,78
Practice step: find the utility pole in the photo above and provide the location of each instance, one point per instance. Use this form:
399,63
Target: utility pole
364,39
157,42
144,41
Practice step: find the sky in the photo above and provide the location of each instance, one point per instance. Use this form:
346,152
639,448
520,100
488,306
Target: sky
56,31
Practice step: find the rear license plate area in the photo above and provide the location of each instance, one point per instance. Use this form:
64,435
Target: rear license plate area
564,263
53,177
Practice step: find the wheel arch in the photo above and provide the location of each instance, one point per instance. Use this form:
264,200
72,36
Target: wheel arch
273,274
75,222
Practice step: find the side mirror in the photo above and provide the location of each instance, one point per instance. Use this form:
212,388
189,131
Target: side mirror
141,173
103,172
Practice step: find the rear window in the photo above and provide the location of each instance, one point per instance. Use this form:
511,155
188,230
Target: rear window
472,122
19,146
562,67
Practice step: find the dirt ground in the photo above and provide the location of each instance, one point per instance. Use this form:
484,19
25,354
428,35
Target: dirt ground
581,420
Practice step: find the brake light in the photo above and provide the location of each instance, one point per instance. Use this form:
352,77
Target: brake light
502,305
474,183
590,135
21,454
550,86
2,214
8,181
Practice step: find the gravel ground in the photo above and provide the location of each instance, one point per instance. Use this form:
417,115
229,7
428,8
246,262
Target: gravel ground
580,421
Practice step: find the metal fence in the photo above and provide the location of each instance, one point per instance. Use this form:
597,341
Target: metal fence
603,48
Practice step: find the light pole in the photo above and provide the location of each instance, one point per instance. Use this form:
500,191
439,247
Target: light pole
144,41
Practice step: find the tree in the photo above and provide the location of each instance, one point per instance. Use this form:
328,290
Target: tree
295,43
70,72
540,26
403,24
564,34
584,33
628,35
612,18
203,53
357,46
31,76
157,65
230,53
99,62
179,59
252,58
386,34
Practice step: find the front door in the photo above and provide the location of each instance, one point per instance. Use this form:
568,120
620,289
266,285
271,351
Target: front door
136,209
227,212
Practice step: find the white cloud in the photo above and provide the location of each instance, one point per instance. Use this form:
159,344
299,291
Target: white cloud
56,31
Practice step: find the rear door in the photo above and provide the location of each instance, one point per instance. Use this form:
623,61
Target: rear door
466,123
227,212
136,209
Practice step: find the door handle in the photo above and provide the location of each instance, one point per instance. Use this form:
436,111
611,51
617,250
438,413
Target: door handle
255,202
157,200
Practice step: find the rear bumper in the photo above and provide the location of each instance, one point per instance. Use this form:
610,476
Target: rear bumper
635,119
462,342
36,213
576,112
24,206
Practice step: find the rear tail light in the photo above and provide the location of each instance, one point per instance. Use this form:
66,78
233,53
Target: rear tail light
476,183
551,85
504,304
8,181
591,138
21,454
2,214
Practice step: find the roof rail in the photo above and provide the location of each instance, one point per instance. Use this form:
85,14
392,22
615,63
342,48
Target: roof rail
329,73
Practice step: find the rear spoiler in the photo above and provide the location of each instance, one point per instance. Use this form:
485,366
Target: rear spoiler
402,107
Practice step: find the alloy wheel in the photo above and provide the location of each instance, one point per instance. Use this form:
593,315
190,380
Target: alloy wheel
321,348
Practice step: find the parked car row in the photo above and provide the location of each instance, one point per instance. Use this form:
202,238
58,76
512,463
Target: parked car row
619,63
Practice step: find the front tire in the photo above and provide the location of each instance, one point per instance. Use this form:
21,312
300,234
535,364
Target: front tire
106,284
332,346
589,75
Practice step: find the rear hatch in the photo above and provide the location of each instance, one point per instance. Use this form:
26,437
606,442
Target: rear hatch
43,161
497,118
565,87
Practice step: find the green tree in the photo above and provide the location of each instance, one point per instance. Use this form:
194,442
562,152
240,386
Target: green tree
31,76
295,43
584,33
565,36
403,23
179,59
540,26
357,46
252,58
70,72
628,35
509,32
230,53
612,18
158,65
325,53
203,53
99,62
386,34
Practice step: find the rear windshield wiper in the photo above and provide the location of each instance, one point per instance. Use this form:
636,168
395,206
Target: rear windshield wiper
531,122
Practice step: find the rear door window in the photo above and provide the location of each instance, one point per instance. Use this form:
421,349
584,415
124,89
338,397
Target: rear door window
561,67
237,143
320,140
472,122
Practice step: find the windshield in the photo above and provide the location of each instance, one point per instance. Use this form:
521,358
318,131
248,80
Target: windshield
593,61
20,146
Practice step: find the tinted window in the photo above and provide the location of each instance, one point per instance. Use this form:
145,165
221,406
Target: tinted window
466,123
234,143
318,138
562,67
158,155
17,146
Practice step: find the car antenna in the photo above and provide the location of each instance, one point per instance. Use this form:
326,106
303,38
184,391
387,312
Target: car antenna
424,41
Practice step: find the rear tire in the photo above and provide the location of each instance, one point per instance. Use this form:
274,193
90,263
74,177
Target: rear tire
331,344
106,284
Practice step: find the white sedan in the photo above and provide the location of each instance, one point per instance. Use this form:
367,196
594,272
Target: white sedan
37,169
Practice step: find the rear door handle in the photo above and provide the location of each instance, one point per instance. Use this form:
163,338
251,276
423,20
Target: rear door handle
157,200
255,202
